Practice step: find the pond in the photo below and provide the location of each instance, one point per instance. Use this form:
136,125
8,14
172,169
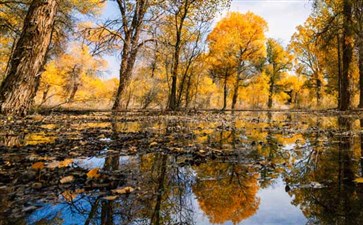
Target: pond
182,168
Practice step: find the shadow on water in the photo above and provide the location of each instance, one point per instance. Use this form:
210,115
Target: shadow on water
245,168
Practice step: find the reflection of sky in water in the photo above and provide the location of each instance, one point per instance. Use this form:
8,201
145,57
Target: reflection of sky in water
98,162
275,208
66,213
90,163
275,204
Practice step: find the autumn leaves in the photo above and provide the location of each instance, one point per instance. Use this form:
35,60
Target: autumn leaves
172,58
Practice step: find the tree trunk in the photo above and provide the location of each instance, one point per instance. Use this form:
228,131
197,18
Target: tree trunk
318,92
156,216
172,101
177,49
73,93
225,93
75,76
45,94
270,94
235,94
19,87
126,69
347,56
181,90
131,45
339,72
360,63
123,79
128,100
187,91
148,99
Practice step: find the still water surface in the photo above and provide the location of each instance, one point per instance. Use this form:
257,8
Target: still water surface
248,168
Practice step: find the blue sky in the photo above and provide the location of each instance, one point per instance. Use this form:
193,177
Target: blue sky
282,16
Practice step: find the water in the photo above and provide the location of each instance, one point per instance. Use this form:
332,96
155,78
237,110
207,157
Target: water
248,168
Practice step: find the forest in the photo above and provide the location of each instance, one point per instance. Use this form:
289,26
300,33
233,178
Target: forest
179,112
173,55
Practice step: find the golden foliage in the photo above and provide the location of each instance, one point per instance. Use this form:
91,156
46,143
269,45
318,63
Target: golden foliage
225,192
93,173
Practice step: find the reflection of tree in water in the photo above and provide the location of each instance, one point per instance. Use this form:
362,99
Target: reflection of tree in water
272,153
168,197
226,134
12,140
226,191
340,202
171,201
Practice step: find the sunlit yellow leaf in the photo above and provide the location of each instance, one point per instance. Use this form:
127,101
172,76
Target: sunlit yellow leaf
110,198
124,190
93,174
57,164
38,166
69,195
152,144
359,180
67,179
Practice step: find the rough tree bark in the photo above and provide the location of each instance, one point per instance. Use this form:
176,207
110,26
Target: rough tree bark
225,92
75,82
318,91
187,92
131,45
235,94
347,56
360,63
19,87
179,24
270,93
339,71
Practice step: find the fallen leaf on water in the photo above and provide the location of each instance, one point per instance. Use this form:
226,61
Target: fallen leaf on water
53,165
359,180
67,179
38,166
133,149
93,173
152,144
37,185
69,195
110,198
58,164
124,190
65,162
201,151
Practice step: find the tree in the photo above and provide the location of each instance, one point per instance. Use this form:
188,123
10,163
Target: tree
12,15
278,61
185,15
237,47
222,71
231,195
347,46
66,77
11,24
11,18
129,32
19,87
358,28
310,52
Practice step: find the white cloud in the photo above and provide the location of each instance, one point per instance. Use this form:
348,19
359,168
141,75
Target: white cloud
282,15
